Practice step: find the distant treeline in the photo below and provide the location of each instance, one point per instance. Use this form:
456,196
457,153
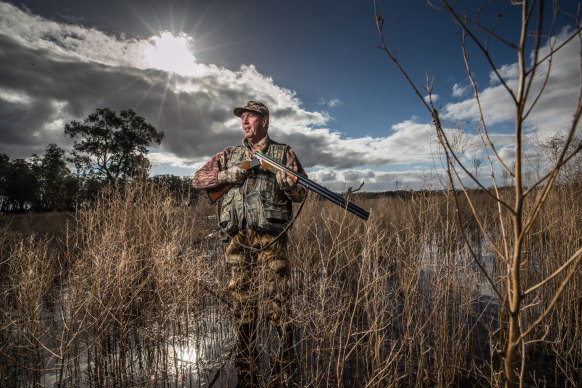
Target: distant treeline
45,183
109,148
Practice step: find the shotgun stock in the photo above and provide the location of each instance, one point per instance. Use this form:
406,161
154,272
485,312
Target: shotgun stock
217,192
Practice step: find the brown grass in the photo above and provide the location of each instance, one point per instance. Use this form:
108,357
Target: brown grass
131,290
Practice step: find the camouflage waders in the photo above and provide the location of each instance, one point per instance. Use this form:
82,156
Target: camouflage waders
260,278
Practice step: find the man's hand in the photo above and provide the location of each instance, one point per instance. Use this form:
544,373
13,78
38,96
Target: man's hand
234,175
285,182
289,187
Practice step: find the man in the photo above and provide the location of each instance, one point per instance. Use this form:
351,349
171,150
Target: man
255,212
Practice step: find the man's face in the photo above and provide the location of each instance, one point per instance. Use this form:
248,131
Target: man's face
254,126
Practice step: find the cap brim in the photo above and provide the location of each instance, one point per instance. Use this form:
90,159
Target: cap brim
240,110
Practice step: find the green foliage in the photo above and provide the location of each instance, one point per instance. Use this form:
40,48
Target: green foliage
110,146
41,183
57,189
19,185
44,183
4,165
180,187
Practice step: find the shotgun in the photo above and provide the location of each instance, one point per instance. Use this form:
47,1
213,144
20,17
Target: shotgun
260,160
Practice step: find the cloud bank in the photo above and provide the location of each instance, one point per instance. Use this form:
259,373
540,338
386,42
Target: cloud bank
551,113
52,73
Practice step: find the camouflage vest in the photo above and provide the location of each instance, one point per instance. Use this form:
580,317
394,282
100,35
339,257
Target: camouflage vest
261,206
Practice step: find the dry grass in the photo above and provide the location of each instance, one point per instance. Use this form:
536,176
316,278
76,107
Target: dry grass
134,295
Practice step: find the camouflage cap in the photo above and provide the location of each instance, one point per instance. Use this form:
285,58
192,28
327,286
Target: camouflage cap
252,106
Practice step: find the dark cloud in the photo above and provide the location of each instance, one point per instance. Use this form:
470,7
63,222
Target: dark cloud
19,125
51,88
52,73
44,82
195,123
318,150
356,175
327,176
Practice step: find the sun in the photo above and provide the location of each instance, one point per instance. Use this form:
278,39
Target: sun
172,54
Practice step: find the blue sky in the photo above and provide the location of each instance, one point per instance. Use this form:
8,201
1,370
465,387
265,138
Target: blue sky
334,96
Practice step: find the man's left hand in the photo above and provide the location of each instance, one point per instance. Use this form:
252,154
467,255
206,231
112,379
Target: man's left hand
285,182
289,186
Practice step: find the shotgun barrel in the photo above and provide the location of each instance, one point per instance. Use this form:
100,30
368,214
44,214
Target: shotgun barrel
273,166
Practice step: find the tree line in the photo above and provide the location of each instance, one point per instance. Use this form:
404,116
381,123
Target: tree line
108,149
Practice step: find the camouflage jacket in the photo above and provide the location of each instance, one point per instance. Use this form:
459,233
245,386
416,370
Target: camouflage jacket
207,178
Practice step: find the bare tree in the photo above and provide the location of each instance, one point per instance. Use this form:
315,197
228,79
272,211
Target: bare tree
519,208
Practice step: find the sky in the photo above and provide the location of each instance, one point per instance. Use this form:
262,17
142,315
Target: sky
334,96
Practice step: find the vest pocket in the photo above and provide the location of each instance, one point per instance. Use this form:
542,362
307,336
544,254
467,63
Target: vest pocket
228,220
275,214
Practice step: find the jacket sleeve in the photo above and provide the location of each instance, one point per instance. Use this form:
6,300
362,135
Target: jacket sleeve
293,163
207,176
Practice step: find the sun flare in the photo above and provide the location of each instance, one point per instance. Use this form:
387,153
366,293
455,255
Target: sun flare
172,54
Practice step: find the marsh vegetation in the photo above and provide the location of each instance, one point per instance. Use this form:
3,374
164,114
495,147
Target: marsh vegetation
131,291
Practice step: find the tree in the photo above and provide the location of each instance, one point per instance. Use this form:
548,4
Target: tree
39,183
519,286
180,187
57,187
111,146
20,185
4,166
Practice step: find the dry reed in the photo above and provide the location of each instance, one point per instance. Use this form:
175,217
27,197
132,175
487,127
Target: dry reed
135,295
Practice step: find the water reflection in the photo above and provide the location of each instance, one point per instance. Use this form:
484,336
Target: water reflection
186,354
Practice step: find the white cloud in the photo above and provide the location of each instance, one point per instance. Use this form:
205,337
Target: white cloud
65,40
171,53
496,103
75,70
331,103
460,90
377,180
552,112
158,158
509,72
14,96
433,96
